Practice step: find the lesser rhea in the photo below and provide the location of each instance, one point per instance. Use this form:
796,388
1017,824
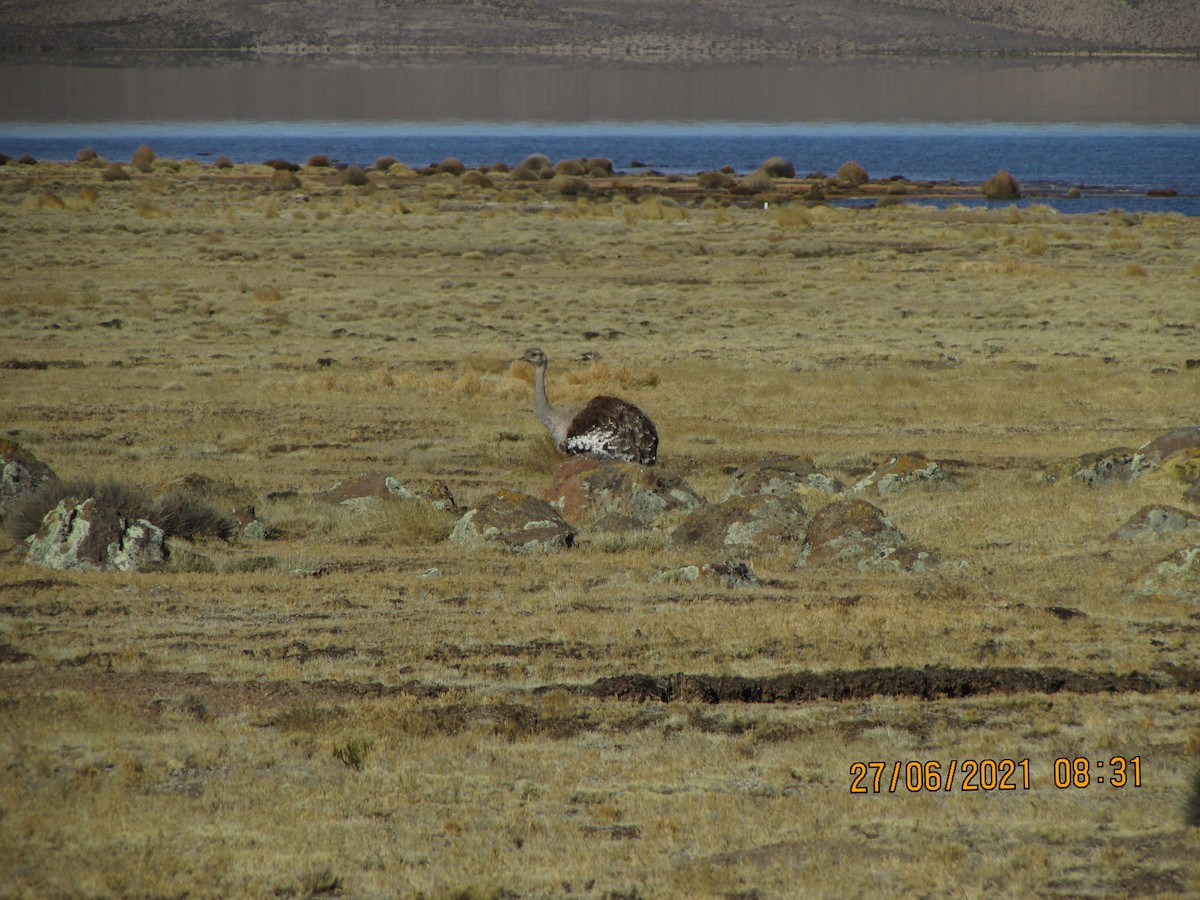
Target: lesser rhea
606,427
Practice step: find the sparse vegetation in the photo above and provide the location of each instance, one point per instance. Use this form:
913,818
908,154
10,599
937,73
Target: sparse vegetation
355,706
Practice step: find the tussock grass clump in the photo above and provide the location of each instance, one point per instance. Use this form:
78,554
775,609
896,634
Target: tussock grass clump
475,178
525,173
569,185
1001,186
87,154
282,165
318,161
222,162
778,167
754,183
115,172
451,165
143,158
715,181
599,166
27,159
535,162
176,512
284,180
851,173
1191,812
385,162
354,176
575,167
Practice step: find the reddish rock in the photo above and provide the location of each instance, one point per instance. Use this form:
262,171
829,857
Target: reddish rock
514,520
363,489
1163,447
900,472
1156,519
21,473
756,521
858,533
84,533
587,489
781,475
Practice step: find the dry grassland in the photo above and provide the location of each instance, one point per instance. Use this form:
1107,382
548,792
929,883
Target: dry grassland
358,707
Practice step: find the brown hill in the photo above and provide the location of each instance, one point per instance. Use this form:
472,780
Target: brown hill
618,30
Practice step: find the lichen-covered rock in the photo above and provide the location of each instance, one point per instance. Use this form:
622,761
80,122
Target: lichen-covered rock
1177,576
368,488
21,473
733,573
86,534
855,532
900,472
1118,465
587,489
781,476
1176,453
514,520
757,521
1156,519
1165,446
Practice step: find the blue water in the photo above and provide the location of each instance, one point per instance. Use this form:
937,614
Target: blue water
1114,165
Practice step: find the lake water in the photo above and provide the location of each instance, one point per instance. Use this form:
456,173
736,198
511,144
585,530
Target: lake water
1118,128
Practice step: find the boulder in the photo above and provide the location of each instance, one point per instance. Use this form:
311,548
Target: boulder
1118,465
1192,494
1177,576
782,475
901,472
88,534
368,488
21,473
1165,446
587,489
856,532
514,520
757,521
1156,519
733,573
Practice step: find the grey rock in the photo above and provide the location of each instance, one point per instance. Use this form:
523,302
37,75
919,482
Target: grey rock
83,534
514,520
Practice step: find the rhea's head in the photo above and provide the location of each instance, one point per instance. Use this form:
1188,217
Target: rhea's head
535,357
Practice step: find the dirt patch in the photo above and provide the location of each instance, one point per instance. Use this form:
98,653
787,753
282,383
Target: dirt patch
931,683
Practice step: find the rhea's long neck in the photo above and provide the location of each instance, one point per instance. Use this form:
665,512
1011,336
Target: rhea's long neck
541,404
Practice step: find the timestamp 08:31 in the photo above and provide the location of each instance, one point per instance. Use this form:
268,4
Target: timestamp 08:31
967,775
